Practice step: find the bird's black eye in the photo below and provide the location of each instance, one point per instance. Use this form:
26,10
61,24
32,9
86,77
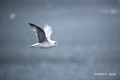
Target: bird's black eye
55,42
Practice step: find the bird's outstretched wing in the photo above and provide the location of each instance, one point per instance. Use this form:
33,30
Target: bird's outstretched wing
47,30
39,32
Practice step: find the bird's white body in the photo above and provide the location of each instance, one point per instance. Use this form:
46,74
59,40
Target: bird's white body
49,44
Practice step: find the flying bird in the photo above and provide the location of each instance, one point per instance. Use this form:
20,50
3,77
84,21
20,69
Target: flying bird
43,37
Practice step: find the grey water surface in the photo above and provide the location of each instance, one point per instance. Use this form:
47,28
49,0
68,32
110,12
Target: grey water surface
88,32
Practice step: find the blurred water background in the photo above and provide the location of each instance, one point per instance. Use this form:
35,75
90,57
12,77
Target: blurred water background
87,30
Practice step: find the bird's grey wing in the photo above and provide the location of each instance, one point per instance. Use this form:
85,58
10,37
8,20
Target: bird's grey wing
48,31
39,32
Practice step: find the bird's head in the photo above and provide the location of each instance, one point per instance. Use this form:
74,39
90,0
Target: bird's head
55,43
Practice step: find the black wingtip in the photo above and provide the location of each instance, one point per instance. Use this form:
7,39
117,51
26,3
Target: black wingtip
30,24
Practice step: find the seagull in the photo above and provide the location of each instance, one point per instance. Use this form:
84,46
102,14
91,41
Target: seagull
44,40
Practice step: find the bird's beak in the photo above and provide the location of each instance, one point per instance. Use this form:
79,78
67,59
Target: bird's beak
58,45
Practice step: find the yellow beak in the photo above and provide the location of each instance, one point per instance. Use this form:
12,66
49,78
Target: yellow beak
58,45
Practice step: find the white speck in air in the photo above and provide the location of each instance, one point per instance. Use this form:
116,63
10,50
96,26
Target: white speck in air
12,15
